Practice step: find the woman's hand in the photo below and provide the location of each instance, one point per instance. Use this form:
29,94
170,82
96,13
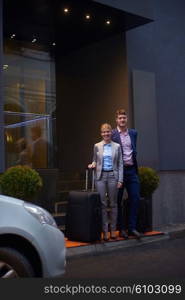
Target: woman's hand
92,166
120,184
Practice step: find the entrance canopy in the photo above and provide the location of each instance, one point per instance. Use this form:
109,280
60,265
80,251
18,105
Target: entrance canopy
70,23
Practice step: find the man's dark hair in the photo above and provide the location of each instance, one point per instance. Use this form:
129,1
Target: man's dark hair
120,112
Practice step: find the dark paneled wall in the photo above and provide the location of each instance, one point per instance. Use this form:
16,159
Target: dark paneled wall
1,93
91,84
159,48
145,118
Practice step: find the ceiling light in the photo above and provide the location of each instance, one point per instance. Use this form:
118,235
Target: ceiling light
12,36
53,44
87,17
108,22
66,10
34,40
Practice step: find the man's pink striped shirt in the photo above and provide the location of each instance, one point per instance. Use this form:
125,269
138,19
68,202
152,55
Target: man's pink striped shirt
127,147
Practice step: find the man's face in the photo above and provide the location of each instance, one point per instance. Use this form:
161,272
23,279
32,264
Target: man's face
121,121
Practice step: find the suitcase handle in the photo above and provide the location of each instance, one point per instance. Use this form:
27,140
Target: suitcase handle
87,179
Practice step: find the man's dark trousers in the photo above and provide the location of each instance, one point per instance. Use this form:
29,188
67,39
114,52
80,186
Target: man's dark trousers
131,183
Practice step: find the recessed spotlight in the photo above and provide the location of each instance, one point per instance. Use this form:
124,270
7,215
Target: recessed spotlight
88,17
66,10
108,22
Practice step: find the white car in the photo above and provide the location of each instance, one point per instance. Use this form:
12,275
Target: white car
31,245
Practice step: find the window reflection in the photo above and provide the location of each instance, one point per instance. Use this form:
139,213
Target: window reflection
30,101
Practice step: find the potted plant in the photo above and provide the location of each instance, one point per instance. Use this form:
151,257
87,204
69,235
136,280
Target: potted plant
21,182
149,181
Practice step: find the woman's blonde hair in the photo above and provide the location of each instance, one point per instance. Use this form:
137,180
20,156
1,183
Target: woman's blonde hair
106,126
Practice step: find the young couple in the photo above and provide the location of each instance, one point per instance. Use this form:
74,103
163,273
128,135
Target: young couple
115,164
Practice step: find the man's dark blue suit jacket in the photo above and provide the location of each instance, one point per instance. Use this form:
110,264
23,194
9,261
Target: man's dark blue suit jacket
133,136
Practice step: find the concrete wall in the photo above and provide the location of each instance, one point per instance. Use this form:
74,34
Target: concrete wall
1,94
169,199
158,48
91,84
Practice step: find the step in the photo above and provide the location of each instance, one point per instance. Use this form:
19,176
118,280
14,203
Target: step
62,196
59,218
62,228
61,207
90,249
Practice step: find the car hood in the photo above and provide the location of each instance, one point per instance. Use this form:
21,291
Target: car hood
11,200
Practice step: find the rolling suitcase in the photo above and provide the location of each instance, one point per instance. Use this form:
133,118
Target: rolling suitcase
83,220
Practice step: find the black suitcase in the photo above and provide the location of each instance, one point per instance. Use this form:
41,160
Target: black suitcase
83,220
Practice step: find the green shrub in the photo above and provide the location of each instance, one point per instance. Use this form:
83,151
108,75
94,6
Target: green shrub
149,181
21,182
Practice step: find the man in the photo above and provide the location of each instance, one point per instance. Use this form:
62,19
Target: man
127,139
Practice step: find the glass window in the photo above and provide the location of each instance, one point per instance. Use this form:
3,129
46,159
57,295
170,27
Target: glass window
29,105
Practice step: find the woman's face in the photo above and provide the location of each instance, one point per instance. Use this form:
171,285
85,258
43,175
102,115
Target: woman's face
106,135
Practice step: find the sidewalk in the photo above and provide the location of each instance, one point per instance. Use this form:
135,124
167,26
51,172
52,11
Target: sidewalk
162,233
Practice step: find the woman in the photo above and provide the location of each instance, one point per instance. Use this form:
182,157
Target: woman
108,164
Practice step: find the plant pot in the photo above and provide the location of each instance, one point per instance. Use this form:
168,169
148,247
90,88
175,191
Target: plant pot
144,223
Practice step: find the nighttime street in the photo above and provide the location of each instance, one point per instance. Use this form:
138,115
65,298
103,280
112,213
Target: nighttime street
159,260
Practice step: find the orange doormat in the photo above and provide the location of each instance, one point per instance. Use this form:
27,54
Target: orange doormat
70,244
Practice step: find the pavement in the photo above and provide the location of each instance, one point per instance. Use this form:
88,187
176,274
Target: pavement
169,231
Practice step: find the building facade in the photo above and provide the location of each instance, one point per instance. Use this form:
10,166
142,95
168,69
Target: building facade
66,67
